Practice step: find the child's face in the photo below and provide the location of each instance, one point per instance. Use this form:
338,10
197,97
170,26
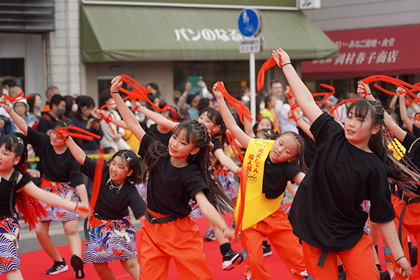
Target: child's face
179,148
8,159
357,130
119,170
56,140
264,124
284,149
209,123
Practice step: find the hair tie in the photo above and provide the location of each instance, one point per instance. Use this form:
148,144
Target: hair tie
19,140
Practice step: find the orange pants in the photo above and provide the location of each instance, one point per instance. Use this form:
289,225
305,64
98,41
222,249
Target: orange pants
278,230
359,262
410,224
180,240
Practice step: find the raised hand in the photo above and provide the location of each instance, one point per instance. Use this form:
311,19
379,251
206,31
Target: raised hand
116,83
216,91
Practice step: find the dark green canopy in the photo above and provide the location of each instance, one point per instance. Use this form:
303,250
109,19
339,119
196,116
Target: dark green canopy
135,33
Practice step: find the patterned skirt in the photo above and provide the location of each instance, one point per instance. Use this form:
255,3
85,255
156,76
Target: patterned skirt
110,240
65,191
9,244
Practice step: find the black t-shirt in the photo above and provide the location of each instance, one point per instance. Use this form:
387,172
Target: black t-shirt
113,204
416,131
326,211
56,167
156,134
6,188
276,176
170,188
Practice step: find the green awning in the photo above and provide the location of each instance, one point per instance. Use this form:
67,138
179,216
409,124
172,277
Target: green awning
133,33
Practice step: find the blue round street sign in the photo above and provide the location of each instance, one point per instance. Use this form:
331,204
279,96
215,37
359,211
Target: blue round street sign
250,22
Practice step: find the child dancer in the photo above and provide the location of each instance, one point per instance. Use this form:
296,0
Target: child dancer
350,165
213,121
177,174
61,176
406,203
112,237
13,156
278,169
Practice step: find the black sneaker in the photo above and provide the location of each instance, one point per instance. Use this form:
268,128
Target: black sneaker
267,250
57,268
231,259
77,264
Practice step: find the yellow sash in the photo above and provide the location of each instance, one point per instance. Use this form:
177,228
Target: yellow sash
399,152
257,207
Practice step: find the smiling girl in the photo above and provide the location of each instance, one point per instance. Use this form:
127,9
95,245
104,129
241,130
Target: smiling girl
278,169
112,236
13,156
350,165
176,174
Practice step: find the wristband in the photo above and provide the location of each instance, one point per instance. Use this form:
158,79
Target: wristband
77,203
284,64
364,97
396,260
115,92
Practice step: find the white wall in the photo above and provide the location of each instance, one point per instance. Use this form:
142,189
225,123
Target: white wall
356,14
29,47
64,53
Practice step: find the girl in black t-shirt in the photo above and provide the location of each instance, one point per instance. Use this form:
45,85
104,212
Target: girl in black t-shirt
112,236
15,185
213,121
176,174
351,164
408,200
61,176
279,168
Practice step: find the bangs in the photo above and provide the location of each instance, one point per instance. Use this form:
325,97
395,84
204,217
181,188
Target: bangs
186,128
361,109
213,115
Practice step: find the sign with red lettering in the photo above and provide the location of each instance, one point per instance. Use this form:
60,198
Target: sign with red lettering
372,51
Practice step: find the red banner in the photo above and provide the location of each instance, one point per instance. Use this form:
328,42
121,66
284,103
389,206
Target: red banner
372,51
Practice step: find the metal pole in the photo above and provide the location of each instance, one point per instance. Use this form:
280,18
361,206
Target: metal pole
252,86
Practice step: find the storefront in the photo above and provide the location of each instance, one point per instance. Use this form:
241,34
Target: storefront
166,44
388,51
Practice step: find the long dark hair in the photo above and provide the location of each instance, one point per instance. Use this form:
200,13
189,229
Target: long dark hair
199,135
399,173
17,143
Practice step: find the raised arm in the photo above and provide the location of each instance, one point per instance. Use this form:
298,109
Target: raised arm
248,128
229,120
306,127
392,126
75,150
403,110
18,120
156,117
128,116
301,92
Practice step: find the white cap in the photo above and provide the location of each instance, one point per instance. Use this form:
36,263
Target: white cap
21,101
